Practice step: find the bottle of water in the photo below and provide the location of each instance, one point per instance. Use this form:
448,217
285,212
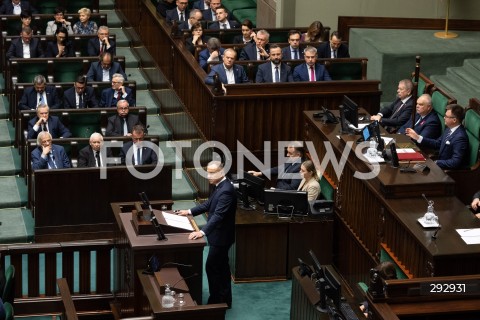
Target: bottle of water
168,300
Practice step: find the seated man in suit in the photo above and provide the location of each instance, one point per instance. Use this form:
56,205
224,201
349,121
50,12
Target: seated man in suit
80,95
39,94
274,70
201,4
123,122
209,14
44,122
476,203
104,69
334,48
179,13
258,50
453,144
222,20
228,72
310,70
426,122
48,155
25,46
164,5
288,175
15,7
117,92
397,114
96,46
139,154
293,51
213,52
93,155
194,16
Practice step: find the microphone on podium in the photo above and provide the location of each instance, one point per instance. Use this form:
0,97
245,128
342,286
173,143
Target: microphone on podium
183,279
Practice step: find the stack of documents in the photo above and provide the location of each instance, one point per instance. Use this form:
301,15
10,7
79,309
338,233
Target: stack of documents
470,236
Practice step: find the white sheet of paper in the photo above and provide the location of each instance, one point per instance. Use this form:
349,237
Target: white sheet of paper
360,126
470,236
405,150
177,221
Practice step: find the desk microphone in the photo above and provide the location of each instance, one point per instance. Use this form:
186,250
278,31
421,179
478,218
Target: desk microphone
183,279
434,236
175,264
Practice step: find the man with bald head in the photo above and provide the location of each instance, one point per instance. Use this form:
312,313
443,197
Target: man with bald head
92,155
426,122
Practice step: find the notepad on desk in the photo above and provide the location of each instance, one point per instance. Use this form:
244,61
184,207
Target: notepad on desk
409,154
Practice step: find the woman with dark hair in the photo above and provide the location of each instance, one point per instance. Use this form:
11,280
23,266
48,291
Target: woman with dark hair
314,33
247,35
59,22
197,37
61,46
26,21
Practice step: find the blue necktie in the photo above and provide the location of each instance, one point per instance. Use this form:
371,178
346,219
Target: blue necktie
295,54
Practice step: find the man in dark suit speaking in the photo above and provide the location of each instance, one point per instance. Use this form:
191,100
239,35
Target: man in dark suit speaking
220,231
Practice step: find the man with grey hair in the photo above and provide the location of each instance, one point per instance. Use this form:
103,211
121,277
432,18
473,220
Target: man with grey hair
427,123
39,94
47,155
44,122
123,122
93,155
260,50
96,46
310,70
220,231
117,92
195,15
213,52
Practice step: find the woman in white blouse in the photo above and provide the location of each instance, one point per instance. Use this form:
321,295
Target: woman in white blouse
310,179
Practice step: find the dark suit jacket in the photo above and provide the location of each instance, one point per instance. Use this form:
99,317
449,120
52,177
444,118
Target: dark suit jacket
302,73
429,127
453,151
324,50
221,207
29,99
16,49
284,181
89,98
208,14
172,15
264,73
52,49
200,5
86,158
216,25
115,125
95,73
249,52
59,157
287,53
107,97
7,7
238,73
394,121
148,155
203,58
55,127
163,6
239,40
93,47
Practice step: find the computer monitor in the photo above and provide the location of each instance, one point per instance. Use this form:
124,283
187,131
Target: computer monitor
286,203
333,287
250,187
350,111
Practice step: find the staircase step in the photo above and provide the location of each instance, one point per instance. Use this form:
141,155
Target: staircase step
7,133
107,4
14,192
11,162
465,79
171,103
18,225
189,154
147,99
2,83
462,94
4,107
131,60
181,187
113,19
158,126
121,38
137,75
183,126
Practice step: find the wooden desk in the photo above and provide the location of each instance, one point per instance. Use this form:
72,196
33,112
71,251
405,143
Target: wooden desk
135,251
382,213
267,248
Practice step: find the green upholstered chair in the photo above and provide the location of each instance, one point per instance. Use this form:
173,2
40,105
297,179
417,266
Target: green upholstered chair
74,6
67,71
439,104
8,311
472,125
83,125
25,72
345,70
47,7
326,189
242,14
8,294
233,5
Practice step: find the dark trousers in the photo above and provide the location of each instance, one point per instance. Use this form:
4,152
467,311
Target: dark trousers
218,274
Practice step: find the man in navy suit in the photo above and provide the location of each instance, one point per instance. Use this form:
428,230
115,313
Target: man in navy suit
213,52
288,176
179,13
201,5
104,69
293,51
16,7
220,232
117,92
426,122
48,155
80,95
16,49
236,74
222,20
44,122
209,14
140,153
334,48
395,115
38,94
258,50
194,16
96,46
123,122
310,70
93,155
453,144
274,70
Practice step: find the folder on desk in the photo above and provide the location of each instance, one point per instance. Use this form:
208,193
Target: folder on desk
408,154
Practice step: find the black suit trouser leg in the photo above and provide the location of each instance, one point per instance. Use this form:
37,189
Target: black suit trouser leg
218,274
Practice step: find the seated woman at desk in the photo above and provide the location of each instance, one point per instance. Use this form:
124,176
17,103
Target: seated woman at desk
61,46
84,25
197,37
314,33
309,181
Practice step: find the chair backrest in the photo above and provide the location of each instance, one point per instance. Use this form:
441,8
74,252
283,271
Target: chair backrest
472,125
8,311
9,290
439,104
326,189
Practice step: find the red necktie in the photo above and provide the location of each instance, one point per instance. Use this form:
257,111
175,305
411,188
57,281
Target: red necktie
312,74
